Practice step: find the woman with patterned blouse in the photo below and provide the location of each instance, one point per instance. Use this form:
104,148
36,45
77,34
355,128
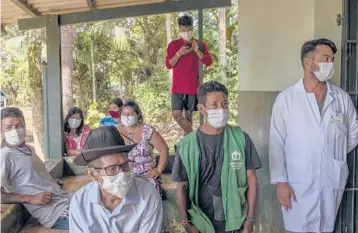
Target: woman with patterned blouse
135,130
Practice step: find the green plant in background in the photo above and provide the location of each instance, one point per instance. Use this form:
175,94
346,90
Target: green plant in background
93,116
125,58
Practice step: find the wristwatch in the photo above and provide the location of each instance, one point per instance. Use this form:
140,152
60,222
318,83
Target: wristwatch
251,219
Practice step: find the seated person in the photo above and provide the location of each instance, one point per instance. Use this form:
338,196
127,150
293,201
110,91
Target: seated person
24,178
136,131
115,201
75,131
114,113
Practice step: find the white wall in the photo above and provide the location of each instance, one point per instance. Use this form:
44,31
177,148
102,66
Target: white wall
271,33
325,26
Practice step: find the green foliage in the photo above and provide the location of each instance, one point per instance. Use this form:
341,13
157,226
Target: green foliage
128,61
93,116
154,99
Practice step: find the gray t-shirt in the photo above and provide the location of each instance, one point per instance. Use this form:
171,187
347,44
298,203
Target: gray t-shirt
27,174
211,160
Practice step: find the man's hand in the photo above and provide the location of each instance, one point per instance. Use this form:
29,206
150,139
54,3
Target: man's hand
184,50
284,194
191,229
42,198
195,46
248,226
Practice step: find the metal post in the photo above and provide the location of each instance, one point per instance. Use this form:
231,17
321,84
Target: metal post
53,102
45,106
201,72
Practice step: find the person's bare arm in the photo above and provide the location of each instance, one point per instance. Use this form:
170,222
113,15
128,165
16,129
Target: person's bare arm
158,142
71,152
182,201
174,60
13,198
251,199
251,192
37,199
182,51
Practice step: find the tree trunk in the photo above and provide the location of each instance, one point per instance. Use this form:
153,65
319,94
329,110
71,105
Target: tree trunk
93,73
222,44
168,26
35,82
67,39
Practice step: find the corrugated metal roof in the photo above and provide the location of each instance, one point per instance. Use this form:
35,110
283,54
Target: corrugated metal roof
12,10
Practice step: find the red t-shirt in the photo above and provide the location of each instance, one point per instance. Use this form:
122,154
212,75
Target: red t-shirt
186,71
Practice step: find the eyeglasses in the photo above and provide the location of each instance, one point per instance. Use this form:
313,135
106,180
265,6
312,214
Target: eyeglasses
115,169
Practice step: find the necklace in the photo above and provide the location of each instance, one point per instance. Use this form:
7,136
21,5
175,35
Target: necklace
24,151
131,134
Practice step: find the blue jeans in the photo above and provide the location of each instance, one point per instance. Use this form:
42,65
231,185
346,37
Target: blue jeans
62,223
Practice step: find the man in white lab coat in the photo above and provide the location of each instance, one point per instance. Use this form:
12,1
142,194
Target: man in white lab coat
313,127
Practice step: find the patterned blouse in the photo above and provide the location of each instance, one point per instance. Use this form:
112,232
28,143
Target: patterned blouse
142,154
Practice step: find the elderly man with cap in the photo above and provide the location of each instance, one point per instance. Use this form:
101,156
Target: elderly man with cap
115,201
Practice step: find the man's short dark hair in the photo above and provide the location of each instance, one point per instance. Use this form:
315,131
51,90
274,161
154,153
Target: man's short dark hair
211,86
185,20
311,45
12,112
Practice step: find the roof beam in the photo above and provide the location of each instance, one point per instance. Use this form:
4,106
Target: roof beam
124,12
91,4
26,8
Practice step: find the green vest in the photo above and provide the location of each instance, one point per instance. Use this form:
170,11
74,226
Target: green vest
233,180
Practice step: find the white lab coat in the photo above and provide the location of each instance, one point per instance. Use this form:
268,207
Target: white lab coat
309,151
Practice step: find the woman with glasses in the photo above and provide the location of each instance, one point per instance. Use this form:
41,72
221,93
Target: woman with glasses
75,131
147,138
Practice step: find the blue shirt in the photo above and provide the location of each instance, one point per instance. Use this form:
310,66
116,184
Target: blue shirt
108,121
140,211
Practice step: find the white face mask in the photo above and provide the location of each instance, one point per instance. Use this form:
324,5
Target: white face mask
15,137
188,35
74,123
218,118
326,71
128,120
119,184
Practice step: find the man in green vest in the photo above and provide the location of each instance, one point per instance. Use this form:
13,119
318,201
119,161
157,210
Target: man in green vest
215,170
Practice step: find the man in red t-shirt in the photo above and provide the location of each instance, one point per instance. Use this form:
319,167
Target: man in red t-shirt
183,57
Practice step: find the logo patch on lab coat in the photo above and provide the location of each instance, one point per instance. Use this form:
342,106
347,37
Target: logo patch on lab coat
337,118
